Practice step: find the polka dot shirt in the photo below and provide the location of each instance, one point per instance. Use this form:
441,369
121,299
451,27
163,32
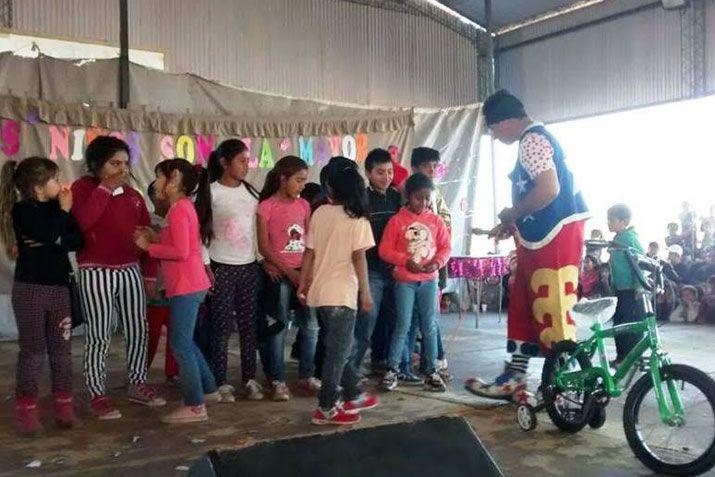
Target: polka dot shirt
536,154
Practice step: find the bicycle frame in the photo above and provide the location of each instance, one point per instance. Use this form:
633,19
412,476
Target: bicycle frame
588,379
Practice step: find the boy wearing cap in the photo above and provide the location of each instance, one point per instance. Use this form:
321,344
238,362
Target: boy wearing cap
547,221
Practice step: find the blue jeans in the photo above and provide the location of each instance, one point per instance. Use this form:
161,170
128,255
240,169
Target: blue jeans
424,295
338,368
194,371
272,349
380,285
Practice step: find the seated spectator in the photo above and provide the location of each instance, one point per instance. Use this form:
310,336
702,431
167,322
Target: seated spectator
674,238
603,288
590,278
596,252
707,229
707,304
653,250
507,280
689,307
702,270
680,268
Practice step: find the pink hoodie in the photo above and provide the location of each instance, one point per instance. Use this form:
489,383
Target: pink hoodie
179,250
423,237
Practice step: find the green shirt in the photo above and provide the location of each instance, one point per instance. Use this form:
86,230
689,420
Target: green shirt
622,275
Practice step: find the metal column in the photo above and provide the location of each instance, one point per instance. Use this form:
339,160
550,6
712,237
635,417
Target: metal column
123,53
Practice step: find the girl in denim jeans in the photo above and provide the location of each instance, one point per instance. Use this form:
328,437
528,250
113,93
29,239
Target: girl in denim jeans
283,218
334,272
178,247
416,241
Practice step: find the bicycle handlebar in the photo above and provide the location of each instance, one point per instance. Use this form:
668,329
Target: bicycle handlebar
638,261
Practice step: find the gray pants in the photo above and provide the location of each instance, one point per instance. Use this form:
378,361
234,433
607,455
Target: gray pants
338,369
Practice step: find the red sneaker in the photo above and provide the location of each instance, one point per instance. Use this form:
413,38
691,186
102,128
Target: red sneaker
104,409
64,411
335,416
26,416
362,403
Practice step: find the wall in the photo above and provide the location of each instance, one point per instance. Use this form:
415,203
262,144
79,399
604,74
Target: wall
323,49
630,61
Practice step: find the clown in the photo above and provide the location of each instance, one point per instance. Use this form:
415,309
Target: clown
547,221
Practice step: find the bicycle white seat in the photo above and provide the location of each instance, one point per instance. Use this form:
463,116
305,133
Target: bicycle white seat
588,312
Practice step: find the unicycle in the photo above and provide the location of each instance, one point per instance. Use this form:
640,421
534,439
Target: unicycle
669,414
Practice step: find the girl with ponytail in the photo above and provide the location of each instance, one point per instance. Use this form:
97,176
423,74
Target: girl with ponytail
38,230
226,204
282,227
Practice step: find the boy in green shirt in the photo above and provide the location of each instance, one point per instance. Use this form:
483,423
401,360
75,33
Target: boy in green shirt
623,278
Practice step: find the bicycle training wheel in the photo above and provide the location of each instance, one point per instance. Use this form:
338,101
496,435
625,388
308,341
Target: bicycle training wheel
565,406
678,448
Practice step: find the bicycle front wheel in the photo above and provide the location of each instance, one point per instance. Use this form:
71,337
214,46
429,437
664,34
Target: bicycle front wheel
683,448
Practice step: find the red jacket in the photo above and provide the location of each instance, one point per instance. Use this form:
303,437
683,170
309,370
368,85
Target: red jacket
108,223
423,237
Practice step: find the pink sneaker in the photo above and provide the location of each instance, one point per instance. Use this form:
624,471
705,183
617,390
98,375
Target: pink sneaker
64,411
142,393
26,416
309,387
361,403
186,414
104,409
336,417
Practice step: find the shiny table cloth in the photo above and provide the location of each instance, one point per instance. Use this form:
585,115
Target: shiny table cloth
477,268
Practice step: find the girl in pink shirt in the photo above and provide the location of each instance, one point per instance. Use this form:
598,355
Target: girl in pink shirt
416,242
178,247
282,227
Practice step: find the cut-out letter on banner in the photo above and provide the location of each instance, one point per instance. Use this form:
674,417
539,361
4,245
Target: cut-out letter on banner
323,151
306,149
78,145
361,140
166,147
266,155
10,135
335,143
59,142
349,147
185,148
205,144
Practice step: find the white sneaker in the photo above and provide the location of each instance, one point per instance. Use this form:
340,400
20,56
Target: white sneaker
227,393
253,390
280,391
310,386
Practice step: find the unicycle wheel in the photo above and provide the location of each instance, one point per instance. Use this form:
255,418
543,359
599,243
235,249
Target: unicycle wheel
526,417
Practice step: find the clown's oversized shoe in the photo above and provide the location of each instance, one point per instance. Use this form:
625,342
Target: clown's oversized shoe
503,387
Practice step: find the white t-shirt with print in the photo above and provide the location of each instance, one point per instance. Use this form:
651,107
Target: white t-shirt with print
234,225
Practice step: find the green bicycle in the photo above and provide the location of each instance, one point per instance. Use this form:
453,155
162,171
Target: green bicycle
669,414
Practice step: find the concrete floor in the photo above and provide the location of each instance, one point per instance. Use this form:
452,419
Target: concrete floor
139,442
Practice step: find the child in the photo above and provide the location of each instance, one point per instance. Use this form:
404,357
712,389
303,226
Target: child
689,307
158,311
227,209
707,305
590,276
178,246
654,250
43,231
108,211
383,203
426,160
604,280
623,278
593,251
334,272
416,242
282,224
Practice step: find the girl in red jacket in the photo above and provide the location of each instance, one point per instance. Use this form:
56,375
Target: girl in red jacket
416,241
108,211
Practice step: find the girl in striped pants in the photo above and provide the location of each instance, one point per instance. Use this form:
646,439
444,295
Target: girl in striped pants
110,278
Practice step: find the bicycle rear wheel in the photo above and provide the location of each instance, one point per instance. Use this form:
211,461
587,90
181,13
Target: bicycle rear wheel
565,406
686,448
